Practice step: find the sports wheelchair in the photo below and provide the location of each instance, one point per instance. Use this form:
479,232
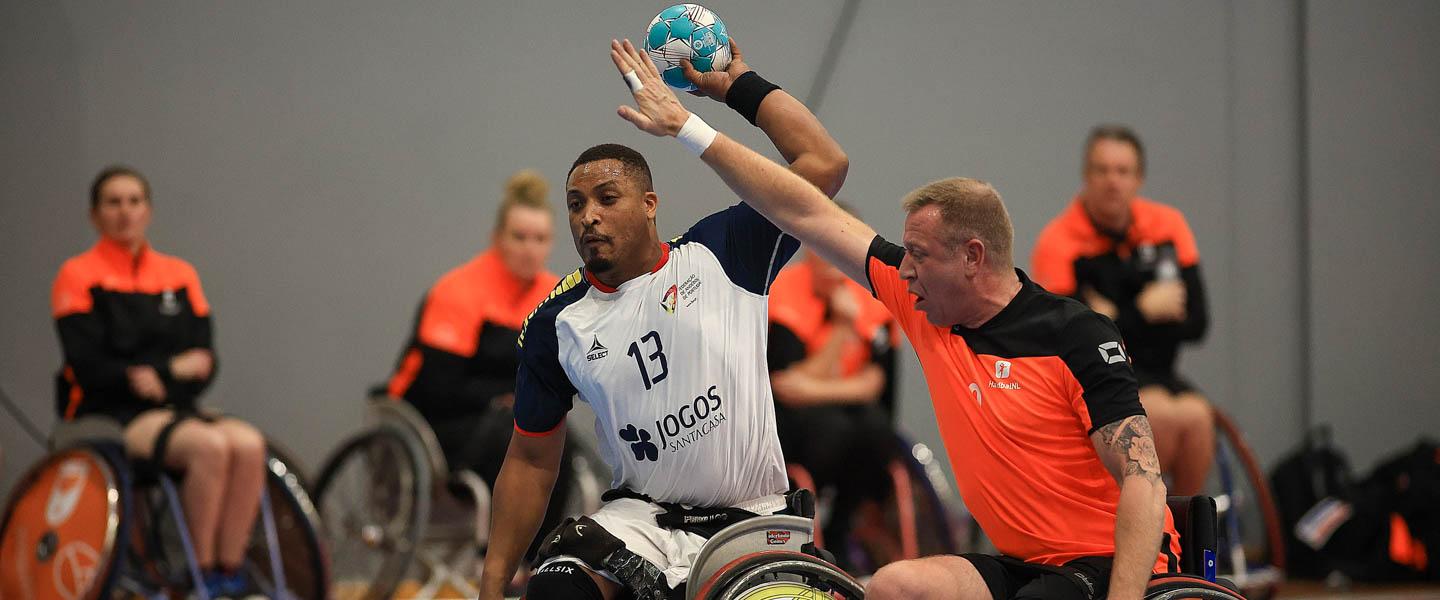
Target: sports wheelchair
920,516
767,557
401,522
88,523
1197,523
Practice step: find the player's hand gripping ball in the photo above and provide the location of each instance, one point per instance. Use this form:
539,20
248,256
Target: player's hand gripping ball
687,32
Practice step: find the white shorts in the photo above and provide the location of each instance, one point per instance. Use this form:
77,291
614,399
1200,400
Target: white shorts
671,550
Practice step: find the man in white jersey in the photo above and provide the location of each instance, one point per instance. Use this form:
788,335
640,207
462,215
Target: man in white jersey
666,342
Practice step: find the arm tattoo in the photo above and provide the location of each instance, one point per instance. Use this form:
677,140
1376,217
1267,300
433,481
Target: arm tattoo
1129,442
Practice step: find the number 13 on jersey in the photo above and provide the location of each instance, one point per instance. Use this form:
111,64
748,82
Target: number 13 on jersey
653,354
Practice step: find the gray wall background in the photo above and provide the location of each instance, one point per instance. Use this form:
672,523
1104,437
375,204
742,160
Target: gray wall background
322,163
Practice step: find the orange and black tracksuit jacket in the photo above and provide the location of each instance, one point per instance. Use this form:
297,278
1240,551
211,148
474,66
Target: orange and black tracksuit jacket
800,326
1073,254
113,310
461,354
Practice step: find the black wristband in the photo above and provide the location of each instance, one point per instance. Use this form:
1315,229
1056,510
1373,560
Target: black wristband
746,94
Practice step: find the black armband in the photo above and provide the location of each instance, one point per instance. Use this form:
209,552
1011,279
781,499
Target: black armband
746,94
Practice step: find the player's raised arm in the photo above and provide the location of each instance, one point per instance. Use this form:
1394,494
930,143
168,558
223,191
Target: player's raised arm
785,198
794,130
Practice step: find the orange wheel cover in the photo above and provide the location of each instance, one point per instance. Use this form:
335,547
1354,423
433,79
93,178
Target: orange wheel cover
61,529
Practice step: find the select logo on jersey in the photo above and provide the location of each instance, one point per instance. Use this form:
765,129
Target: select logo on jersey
597,351
669,299
640,443
1112,352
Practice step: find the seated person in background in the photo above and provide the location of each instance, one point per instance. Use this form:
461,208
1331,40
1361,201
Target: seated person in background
1135,260
458,369
832,363
134,328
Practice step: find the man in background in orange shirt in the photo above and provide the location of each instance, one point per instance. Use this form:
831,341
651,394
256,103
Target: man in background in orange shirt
1135,261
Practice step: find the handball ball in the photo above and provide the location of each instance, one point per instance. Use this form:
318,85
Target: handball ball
687,31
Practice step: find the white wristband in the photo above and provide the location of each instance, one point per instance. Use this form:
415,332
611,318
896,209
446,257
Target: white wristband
696,135
633,80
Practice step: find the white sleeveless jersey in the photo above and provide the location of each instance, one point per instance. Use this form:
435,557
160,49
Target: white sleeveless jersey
672,362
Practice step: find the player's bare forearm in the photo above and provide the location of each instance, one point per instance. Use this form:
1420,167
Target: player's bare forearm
793,204
522,492
1127,447
803,141
794,388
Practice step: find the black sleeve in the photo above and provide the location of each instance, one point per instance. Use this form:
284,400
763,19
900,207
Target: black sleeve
1197,314
543,392
1197,309
882,353
785,348
881,249
443,386
1098,360
99,373
201,336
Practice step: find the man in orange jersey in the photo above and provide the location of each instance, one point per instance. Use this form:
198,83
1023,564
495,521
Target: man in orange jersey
1033,393
1134,260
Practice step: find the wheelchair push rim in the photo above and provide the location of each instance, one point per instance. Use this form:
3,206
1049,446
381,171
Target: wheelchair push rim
780,575
62,525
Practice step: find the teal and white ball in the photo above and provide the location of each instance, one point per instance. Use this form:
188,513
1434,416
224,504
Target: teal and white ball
687,31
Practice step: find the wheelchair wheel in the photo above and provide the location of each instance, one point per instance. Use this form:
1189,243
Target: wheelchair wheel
914,520
1187,587
780,575
301,559
64,527
374,499
1251,550
591,478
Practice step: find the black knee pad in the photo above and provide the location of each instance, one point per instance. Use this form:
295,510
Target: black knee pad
562,581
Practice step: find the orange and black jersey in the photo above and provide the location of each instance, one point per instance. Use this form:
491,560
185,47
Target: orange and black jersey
461,353
1016,401
114,310
1072,254
800,325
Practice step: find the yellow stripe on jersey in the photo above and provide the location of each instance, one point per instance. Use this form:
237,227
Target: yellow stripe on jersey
566,284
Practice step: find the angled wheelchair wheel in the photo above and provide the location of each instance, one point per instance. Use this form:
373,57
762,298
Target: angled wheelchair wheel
285,558
374,501
917,518
64,528
1251,549
780,575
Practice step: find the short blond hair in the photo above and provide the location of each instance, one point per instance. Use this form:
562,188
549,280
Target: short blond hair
527,188
971,210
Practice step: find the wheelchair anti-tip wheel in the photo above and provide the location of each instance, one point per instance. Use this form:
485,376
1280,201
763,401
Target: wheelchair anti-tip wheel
61,537
374,498
780,575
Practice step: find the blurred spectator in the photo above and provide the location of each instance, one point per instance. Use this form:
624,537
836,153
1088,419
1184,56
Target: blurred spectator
1135,260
